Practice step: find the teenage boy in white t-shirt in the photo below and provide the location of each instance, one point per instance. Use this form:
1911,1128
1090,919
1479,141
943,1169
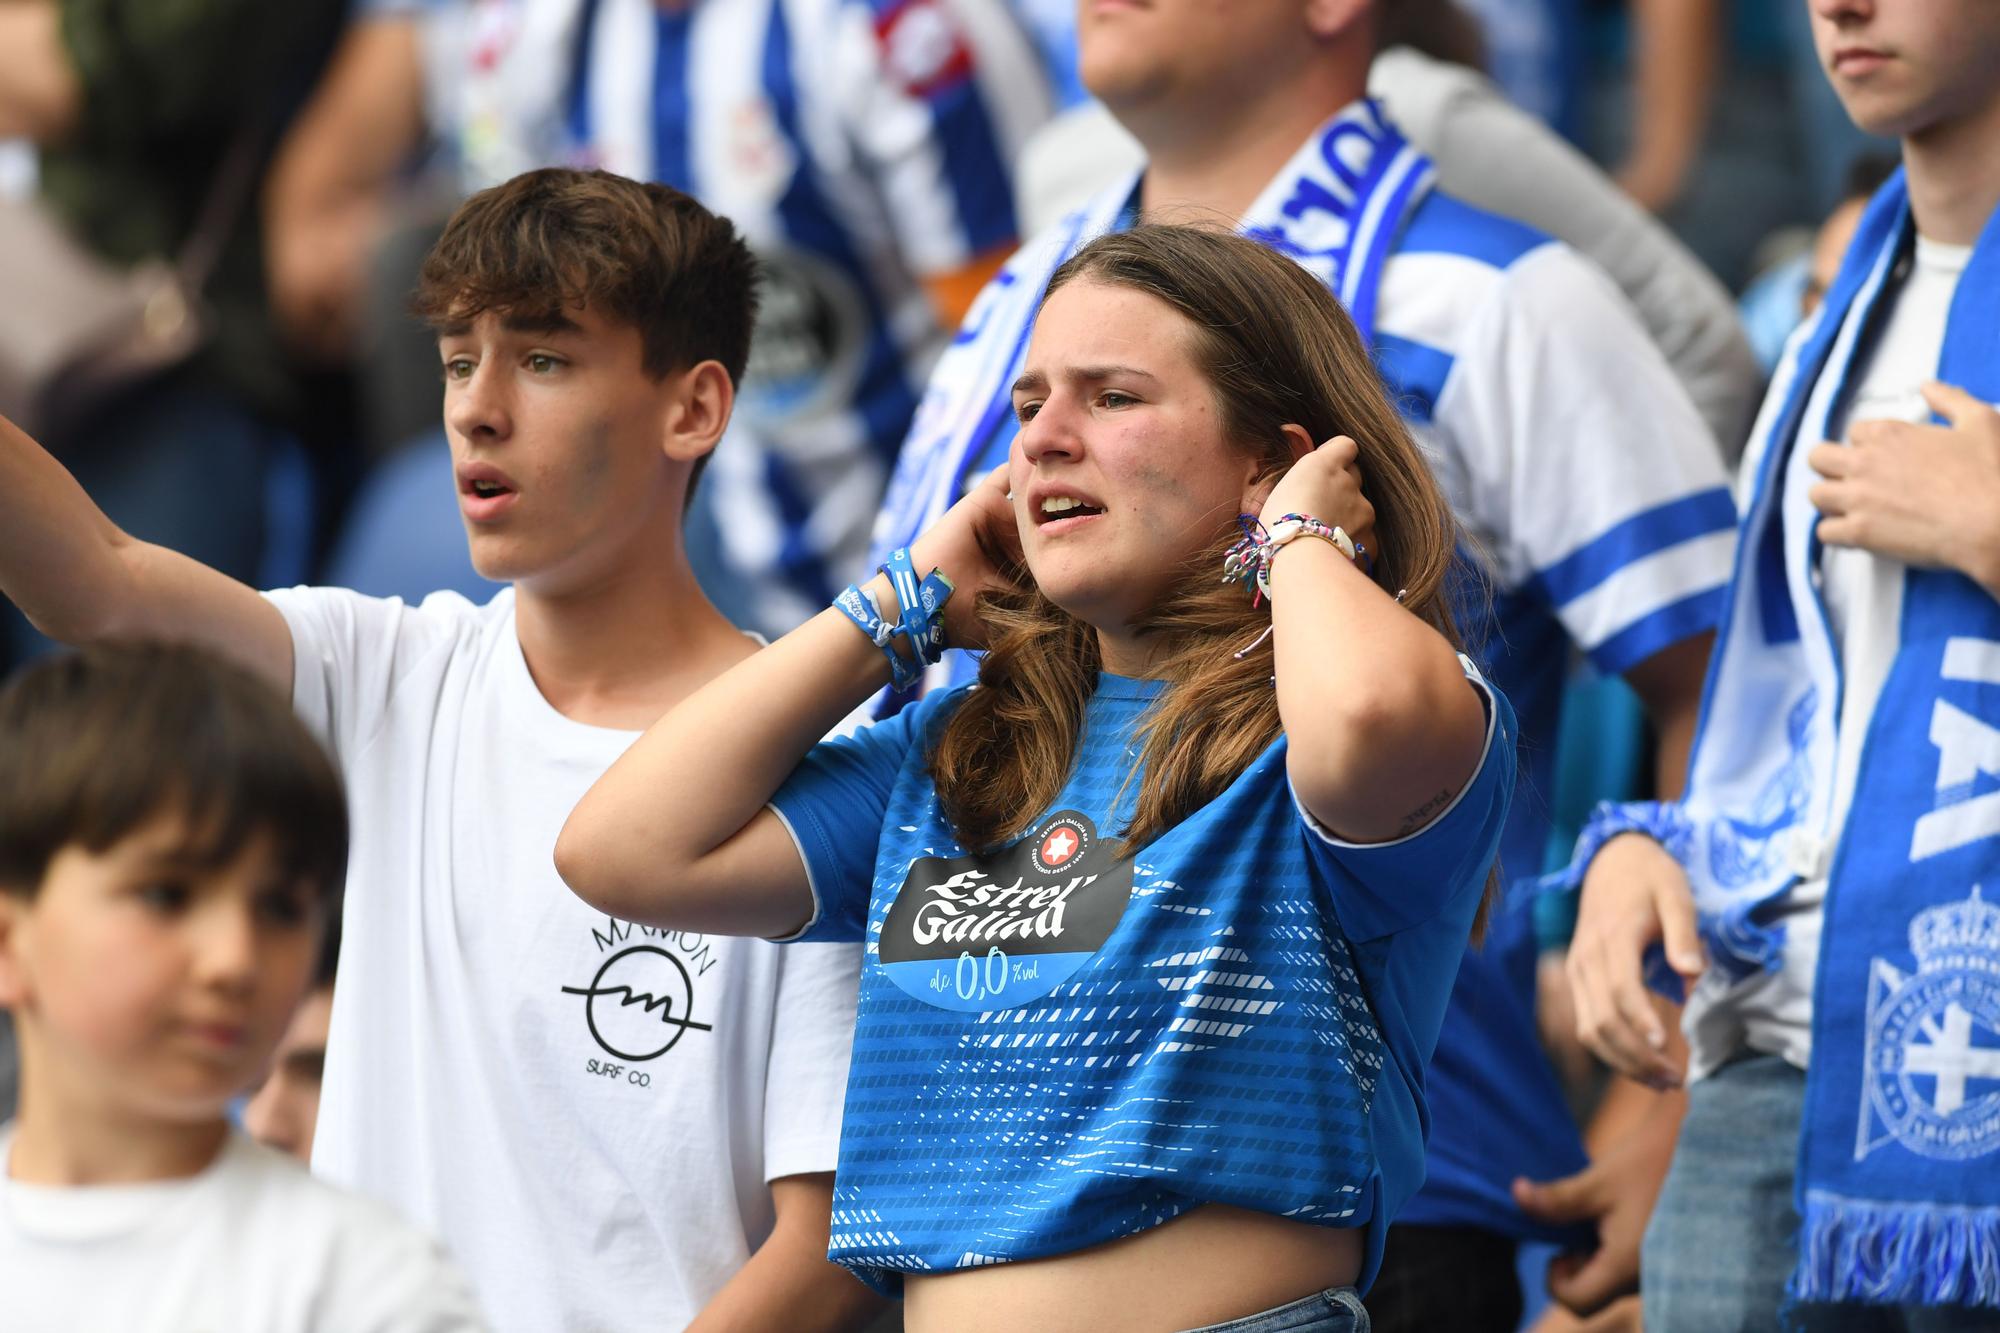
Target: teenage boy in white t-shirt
610,1127
171,843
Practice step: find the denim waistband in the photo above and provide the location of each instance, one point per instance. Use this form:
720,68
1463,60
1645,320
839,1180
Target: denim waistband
1335,1310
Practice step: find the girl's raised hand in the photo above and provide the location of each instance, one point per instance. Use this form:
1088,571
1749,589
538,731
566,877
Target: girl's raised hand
1326,484
974,534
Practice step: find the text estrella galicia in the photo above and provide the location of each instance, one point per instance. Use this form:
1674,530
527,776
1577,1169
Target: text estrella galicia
977,933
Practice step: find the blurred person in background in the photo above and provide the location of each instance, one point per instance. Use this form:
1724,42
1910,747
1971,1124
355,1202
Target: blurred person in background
1533,49
864,147
1545,53
1714,115
283,1112
1835,234
139,110
1792,287
1675,49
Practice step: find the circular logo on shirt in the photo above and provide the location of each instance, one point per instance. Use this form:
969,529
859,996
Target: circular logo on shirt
922,50
1063,841
640,1003
980,933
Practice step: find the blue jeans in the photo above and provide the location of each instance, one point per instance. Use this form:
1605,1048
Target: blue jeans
1336,1310
1724,1235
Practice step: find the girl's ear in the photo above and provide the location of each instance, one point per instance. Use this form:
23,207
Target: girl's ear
1258,489
1296,437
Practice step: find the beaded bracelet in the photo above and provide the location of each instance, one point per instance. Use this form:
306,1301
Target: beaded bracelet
920,622
1249,560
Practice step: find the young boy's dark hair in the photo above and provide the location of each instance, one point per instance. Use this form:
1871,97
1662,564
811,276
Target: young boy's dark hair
95,744
640,253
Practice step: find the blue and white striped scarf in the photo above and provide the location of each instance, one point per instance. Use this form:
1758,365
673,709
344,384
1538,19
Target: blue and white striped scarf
1899,1165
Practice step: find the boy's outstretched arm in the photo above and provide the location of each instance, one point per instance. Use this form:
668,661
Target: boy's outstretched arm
789,1282
79,578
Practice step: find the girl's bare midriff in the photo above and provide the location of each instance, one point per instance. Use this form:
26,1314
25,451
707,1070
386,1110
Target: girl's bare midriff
1211,1265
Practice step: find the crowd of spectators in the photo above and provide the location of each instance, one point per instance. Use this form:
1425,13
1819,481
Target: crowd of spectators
251,189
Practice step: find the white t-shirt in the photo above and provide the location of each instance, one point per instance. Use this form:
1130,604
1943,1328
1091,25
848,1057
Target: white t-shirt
586,1111
252,1244
1772,1011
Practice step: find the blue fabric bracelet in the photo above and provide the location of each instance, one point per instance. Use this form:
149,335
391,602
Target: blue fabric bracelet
855,603
1662,821
920,623
922,605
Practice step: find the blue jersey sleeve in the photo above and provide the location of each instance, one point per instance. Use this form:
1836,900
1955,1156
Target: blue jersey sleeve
1385,887
833,805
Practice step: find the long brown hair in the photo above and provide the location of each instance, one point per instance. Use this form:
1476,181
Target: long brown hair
1276,349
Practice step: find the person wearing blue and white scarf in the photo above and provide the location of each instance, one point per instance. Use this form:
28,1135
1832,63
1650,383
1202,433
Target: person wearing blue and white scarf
1830,884
1595,496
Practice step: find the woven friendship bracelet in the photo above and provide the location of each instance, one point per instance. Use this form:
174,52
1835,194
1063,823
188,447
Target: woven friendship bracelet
922,603
920,622
1249,560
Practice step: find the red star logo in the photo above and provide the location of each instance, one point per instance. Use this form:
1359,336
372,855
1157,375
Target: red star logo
1058,847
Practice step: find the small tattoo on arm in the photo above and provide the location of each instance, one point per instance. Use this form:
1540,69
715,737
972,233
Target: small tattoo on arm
1415,819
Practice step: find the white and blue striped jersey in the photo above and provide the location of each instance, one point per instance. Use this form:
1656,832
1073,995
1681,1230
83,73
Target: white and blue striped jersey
1600,509
860,147
1571,454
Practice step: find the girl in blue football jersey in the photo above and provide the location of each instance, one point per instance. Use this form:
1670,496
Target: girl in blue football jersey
1162,914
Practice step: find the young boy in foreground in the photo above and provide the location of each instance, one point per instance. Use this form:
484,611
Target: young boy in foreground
171,842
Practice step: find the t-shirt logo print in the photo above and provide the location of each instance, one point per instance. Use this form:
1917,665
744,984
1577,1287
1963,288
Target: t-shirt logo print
980,933
640,1003
1059,845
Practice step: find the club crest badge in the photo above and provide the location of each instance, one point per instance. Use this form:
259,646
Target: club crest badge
982,933
1932,1071
810,346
